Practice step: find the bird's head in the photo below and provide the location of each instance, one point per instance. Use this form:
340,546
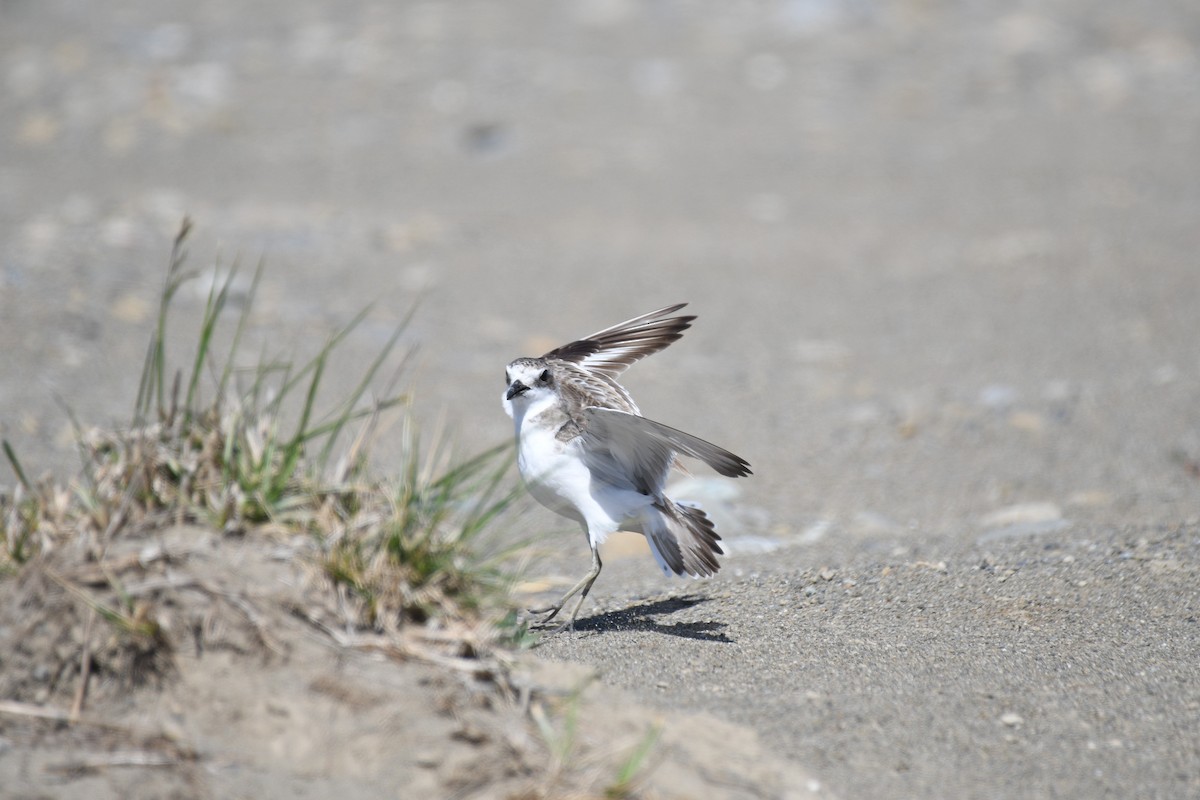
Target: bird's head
526,381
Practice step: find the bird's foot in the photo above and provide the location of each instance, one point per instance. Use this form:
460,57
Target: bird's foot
544,624
550,612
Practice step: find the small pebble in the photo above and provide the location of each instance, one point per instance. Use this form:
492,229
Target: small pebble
998,397
1012,719
1021,513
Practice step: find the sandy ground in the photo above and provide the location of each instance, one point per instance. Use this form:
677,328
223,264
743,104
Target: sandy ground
944,258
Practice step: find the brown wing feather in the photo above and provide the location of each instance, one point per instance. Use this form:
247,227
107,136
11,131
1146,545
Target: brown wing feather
582,389
646,443
613,350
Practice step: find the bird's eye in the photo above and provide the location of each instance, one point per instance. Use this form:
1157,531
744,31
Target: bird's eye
545,376
506,380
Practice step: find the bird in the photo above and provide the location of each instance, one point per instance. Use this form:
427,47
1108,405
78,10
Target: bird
585,451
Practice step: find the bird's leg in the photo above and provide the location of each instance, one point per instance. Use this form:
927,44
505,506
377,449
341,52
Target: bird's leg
584,585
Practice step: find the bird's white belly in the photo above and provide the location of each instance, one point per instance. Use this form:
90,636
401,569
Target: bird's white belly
556,476
553,473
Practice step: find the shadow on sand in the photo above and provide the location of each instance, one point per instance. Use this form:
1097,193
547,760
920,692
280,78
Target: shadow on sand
643,617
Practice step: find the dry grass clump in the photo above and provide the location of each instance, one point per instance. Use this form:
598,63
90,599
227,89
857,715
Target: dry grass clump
406,553
261,459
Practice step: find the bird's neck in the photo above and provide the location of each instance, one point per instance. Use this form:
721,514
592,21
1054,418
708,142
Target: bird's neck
537,414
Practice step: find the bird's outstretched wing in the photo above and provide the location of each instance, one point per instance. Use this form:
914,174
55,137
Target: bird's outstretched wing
631,451
612,350
583,388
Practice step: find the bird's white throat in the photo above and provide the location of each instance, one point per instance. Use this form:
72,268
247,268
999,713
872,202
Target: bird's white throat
529,406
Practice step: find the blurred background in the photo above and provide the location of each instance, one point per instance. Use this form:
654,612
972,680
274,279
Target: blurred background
944,254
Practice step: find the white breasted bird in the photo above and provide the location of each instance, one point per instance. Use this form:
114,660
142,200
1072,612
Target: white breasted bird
585,451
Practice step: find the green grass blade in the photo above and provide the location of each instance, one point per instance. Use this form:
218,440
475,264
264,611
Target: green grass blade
295,446
291,383
152,387
336,424
15,463
243,318
217,297
628,772
348,406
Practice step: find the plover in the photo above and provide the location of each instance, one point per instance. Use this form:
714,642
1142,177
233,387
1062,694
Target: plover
586,452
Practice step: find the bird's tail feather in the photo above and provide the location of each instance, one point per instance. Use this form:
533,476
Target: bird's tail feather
682,539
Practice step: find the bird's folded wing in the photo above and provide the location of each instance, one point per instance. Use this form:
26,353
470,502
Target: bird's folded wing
621,448
612,350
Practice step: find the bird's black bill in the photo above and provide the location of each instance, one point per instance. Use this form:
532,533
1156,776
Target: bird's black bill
516,389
